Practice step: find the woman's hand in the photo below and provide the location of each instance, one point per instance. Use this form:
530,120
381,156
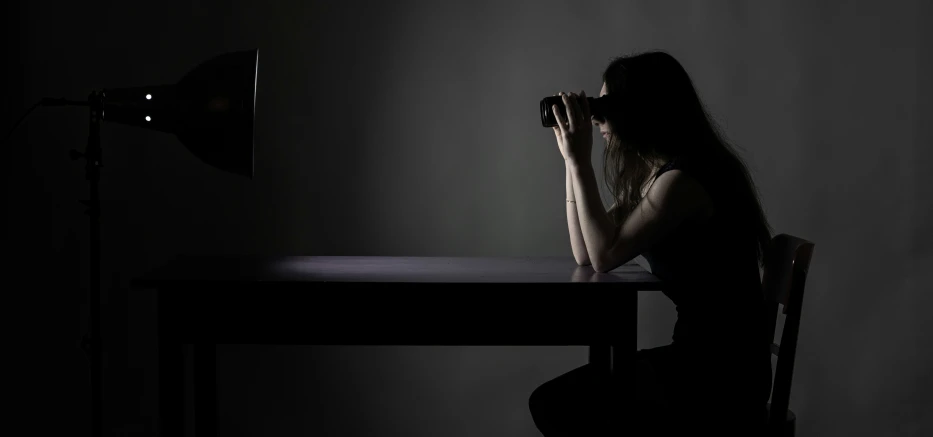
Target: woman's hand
574,134
557,134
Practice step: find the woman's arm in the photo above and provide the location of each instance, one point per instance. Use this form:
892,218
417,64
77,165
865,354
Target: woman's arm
673,197
596,226
573,225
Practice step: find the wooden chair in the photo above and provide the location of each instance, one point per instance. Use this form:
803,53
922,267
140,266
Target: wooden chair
787,262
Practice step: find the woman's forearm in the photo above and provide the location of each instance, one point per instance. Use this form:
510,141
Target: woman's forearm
596,226
573,225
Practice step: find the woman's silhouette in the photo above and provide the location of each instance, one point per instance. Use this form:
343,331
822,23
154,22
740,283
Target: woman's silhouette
686,202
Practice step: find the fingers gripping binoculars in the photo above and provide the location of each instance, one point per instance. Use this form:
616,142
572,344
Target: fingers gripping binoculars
599,108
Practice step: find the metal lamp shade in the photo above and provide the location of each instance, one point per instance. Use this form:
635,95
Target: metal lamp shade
211,110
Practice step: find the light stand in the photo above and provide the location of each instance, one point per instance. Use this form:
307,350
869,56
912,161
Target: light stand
211,110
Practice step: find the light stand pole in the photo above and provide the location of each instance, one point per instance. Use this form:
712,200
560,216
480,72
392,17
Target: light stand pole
92,343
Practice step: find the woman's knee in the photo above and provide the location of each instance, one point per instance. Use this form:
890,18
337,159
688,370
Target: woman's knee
547,397
542,408
540,400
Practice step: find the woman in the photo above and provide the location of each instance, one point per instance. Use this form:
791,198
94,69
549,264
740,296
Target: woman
686,202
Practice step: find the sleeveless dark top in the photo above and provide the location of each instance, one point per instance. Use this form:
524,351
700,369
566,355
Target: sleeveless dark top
711,268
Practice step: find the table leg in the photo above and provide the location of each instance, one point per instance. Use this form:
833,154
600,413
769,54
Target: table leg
171,371
205,390
601,357
171,387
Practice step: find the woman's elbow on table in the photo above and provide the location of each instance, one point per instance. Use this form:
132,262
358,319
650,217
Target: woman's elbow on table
613,258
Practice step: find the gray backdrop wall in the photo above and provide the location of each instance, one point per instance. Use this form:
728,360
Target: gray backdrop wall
411,128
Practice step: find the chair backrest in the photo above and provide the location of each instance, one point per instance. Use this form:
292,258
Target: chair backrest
786,263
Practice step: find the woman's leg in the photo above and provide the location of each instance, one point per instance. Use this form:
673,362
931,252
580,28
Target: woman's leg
568,404
713,390
580,402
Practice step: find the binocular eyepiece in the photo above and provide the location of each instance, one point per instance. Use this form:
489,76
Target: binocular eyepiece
599,108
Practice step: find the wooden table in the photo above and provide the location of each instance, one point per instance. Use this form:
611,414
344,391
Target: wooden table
371,300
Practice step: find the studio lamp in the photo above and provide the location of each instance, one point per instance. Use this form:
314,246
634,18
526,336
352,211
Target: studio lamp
211,111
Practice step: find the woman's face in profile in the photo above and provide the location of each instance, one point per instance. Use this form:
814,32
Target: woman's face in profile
604,129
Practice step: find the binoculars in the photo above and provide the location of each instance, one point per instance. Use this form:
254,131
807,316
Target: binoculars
599,108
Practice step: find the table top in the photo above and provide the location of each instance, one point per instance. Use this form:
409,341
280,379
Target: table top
391,269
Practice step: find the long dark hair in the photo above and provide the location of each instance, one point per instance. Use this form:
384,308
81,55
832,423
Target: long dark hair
657,113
